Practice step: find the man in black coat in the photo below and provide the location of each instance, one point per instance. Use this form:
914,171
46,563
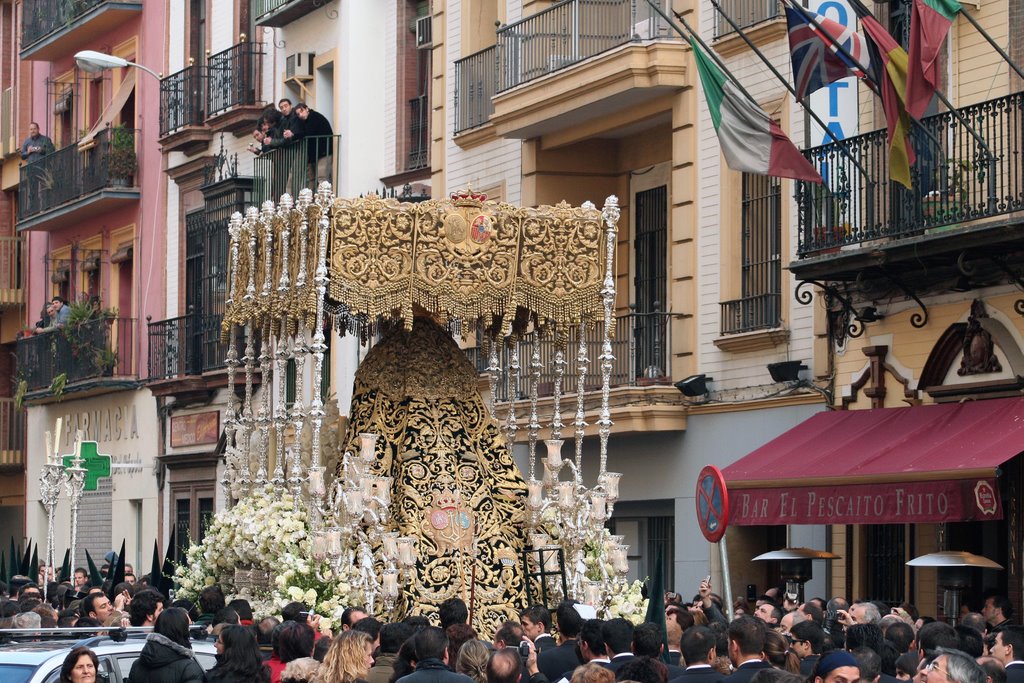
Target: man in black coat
555,661
808,638
698,649
746,643
536,621
618,640
1009,649
319,144
430,647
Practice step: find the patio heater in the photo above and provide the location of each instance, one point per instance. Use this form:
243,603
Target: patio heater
795,566
954,575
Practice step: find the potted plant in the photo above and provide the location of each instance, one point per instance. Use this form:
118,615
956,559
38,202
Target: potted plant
121,159
106,361
944,204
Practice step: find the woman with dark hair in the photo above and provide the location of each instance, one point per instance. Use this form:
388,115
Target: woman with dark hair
80,666
167,655
238,658
292,640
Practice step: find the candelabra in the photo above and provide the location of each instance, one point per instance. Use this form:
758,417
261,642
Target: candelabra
354,536
578,514
49,490
75,485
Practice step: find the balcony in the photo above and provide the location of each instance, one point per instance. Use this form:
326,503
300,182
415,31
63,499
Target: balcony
77,182
746,14
290,168
12,272
575,60
963,213
51,29
182,111
419,133
12,436
92,357
233,80
282,12
643,396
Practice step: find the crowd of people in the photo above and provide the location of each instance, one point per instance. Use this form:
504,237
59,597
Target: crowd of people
767,642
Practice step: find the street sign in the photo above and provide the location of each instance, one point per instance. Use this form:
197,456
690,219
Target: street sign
95,464
712,503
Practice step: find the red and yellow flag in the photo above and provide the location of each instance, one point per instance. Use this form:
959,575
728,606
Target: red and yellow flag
929,24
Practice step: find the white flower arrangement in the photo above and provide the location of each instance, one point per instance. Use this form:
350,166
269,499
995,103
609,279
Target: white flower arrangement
629,604
316,584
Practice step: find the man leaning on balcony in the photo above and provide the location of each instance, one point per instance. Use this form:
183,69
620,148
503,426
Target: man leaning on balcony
59,313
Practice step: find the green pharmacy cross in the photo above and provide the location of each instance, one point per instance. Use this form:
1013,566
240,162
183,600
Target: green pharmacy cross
96,465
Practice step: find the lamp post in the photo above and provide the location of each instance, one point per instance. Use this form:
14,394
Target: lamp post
95,62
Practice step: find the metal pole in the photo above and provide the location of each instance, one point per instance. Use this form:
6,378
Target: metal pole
992,42
726,583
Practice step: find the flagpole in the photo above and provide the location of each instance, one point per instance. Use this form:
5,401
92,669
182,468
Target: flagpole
817,119
991,41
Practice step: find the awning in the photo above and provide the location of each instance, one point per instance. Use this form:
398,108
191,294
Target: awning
932,463
113,108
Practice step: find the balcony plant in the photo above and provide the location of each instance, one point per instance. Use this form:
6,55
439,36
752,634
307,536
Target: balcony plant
944,205
122,161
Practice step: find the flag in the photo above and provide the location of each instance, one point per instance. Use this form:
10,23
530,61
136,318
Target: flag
816,59
929,23
751,141
656,603
889,67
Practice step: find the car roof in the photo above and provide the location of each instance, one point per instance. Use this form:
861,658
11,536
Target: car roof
36,652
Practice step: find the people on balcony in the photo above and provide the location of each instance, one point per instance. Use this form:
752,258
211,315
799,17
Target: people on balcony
320,145
55,315
36,145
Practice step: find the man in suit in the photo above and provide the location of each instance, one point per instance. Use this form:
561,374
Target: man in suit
618,642
648,641
746,643
698,650
998,611
536,621
1009,649
807,640
554,661
673,636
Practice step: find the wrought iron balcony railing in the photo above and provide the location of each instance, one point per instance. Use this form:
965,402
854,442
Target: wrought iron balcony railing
293,166
40,18
90,350
280,12
74,172
957,178
745,13
183,346
233,78
641,347
182,99
476,82
419,133
759,312
553,39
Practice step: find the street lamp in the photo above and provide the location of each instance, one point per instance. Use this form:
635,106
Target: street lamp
95,62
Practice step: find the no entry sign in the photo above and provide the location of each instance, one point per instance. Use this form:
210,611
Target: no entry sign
712,503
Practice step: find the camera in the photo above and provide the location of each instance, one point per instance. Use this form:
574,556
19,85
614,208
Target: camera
524,649
830,620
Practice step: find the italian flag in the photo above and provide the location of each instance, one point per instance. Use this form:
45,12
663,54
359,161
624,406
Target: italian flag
751,141
929,23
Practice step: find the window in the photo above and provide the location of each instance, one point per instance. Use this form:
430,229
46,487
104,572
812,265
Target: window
760,302
650,281
886,551
744,13
193,512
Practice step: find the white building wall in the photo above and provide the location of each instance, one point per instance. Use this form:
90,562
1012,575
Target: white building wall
732,370
390,91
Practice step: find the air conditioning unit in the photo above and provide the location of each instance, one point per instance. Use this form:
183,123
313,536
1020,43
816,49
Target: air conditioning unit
424,37
299,66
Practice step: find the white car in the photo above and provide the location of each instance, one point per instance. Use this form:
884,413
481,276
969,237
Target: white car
39,661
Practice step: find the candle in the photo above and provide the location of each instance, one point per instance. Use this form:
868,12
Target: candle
566,494
610,483
597,507
316,482
550,555
367,484
554,452
406,551
390,544
383,490
367,446
333,541
535,496
592,593
354,498
391,583
538,541
319,545
621,559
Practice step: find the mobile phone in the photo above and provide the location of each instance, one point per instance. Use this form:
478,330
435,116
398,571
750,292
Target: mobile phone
524,649
707,579
751,593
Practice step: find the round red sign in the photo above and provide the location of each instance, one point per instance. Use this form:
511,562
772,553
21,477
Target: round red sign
712,503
